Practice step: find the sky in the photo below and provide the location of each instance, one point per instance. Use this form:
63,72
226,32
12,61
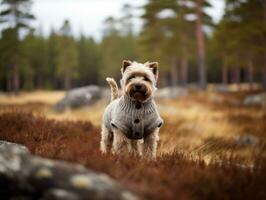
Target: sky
87,16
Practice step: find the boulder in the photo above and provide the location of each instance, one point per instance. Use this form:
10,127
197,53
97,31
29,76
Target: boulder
256,99
246,140
13,147
220,88
79,97
23,176
171,92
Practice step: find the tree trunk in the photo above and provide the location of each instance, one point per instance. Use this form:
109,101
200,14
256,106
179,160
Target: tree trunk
15,80
224,73
250,74
236,76
39,82
9,83
184,69
28,83
67,82
200,46
263,74
54,82
174,72
163,80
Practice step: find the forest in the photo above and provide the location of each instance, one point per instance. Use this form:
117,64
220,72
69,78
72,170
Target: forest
180,35
211,96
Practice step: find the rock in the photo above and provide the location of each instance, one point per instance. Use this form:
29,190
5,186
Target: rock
79,97
246,140
220,88
257,99
23,176
171,92
15,148
194,87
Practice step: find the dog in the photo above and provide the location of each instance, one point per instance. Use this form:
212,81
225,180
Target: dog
131,123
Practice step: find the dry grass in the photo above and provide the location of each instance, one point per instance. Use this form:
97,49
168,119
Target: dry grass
193,124
41,102
198,155
172,176
45,97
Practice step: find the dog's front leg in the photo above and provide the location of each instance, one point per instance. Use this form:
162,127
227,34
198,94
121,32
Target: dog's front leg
106,140
150,145
120,142
136,147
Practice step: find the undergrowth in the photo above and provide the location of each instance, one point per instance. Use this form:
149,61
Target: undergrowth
175,175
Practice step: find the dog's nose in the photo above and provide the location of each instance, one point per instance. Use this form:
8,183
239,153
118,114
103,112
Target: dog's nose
138,86
137,134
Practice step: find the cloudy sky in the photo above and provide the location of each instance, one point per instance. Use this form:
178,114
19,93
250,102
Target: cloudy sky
87,15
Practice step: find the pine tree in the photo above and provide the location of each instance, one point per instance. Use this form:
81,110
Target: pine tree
67,60
52,45
10,58
88,61
171,37
118,43
240,38
158,37
35,57
200,45
16,15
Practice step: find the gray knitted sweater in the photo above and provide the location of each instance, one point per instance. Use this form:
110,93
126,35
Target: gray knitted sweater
135,119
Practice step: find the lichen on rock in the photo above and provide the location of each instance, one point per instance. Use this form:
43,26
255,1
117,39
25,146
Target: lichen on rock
25,176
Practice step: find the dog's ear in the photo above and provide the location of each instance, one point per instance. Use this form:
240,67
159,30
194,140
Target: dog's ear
125,64
154,67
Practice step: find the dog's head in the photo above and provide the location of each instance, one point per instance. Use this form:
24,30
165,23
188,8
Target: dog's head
139,80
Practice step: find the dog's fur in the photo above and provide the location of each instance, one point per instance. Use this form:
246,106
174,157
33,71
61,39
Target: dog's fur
132,73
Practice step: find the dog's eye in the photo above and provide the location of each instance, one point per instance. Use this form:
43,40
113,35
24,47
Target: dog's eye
147,79
131,77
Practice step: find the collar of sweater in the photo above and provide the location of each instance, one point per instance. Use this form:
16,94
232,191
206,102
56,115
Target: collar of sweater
128,105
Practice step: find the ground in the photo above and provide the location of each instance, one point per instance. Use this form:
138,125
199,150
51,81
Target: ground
200,156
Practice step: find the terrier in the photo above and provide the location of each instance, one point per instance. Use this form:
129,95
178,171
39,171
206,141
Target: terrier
131,123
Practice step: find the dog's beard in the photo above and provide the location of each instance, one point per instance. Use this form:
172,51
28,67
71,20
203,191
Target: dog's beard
139,95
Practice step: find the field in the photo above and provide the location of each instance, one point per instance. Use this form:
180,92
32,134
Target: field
211,146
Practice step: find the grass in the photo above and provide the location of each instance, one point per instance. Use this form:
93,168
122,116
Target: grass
198,157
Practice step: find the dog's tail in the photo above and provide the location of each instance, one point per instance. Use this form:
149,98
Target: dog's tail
114,88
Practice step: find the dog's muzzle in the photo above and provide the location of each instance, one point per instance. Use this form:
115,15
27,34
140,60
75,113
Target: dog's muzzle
134,135
138,91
